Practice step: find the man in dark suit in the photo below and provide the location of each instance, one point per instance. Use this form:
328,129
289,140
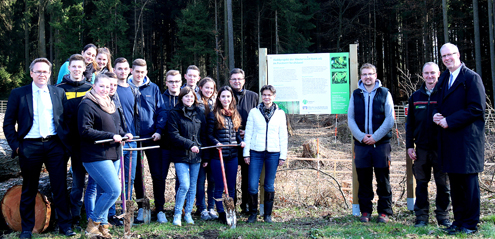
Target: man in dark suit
461,116
37,110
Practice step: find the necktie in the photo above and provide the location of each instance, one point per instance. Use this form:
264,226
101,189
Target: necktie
43,123
451,80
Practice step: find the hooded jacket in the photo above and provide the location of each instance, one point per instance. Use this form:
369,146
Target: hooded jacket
225,135
169,103
151,103
384,130
74,91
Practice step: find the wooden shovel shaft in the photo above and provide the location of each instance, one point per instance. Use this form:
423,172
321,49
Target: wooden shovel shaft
223,172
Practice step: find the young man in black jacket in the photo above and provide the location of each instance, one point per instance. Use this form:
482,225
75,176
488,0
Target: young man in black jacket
422,133
75,86
246,100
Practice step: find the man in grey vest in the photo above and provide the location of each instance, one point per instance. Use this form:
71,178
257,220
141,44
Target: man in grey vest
370,119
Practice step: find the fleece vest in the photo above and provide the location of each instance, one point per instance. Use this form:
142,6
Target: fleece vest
378,109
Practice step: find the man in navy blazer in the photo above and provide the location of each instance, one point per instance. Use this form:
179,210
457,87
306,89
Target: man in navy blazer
37,110
461,116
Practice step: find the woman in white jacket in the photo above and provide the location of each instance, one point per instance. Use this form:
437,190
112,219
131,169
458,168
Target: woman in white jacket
266,143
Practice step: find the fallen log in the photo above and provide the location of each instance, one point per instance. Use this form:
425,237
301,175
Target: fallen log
11,213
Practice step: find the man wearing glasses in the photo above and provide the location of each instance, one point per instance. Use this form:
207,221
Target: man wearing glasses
37,109
370,119
461,117
246,100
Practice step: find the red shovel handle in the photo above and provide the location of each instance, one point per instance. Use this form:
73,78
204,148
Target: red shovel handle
223,172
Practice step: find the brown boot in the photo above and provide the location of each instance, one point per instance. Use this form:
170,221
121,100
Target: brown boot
104,229
92,229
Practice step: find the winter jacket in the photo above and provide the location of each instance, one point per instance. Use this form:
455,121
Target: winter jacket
88,73
184,132
268,136
246,100
95,124
135,109
151,103
420,129
74,91
226,135
387,107
461,146
169,103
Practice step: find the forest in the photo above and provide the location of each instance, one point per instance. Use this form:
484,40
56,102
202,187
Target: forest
398,36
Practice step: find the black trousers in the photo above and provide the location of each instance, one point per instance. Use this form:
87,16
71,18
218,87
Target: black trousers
32,155
152,155
244,182
465,193
367,159
426,160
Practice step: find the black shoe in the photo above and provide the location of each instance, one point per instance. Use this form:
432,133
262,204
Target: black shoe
462,230
67,232
222,217
445,223
451,228
26,234
115,221
252,218
420,223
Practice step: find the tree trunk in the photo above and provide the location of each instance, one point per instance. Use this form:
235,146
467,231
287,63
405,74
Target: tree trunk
231,35
477,43
217,47
41,29
445,21
492,47
276,32
26,38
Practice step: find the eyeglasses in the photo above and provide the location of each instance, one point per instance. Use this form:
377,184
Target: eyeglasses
368,74
174,82
448,55
237,79
40,73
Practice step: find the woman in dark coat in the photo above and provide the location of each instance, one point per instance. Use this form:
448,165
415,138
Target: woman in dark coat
223,128
207,94
98,119
186,126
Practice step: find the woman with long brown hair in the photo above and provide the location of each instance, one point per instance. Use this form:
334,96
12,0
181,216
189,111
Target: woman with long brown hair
223,128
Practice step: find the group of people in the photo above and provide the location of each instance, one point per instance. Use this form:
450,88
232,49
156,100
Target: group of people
94,101
444,132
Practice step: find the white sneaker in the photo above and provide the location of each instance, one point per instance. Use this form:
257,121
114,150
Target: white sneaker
262,210
140,217
161,218
213,214
177,218
205,215
188,218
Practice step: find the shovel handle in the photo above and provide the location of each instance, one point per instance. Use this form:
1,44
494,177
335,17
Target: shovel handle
223,172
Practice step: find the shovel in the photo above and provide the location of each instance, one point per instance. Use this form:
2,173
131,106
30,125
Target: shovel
228,202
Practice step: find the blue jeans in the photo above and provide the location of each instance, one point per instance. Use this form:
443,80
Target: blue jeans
99,190
205,173
127,158
187,174
231,176
105,175
90,196
256,165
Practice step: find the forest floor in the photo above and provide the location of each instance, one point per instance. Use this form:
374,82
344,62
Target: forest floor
314,197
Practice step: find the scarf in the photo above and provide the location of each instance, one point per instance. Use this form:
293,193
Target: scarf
105,103
226,112
267,112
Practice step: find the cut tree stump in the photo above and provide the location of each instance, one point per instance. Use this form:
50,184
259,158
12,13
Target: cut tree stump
11,213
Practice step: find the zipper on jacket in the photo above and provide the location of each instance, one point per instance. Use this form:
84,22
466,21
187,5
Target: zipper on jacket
366,127
266,136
